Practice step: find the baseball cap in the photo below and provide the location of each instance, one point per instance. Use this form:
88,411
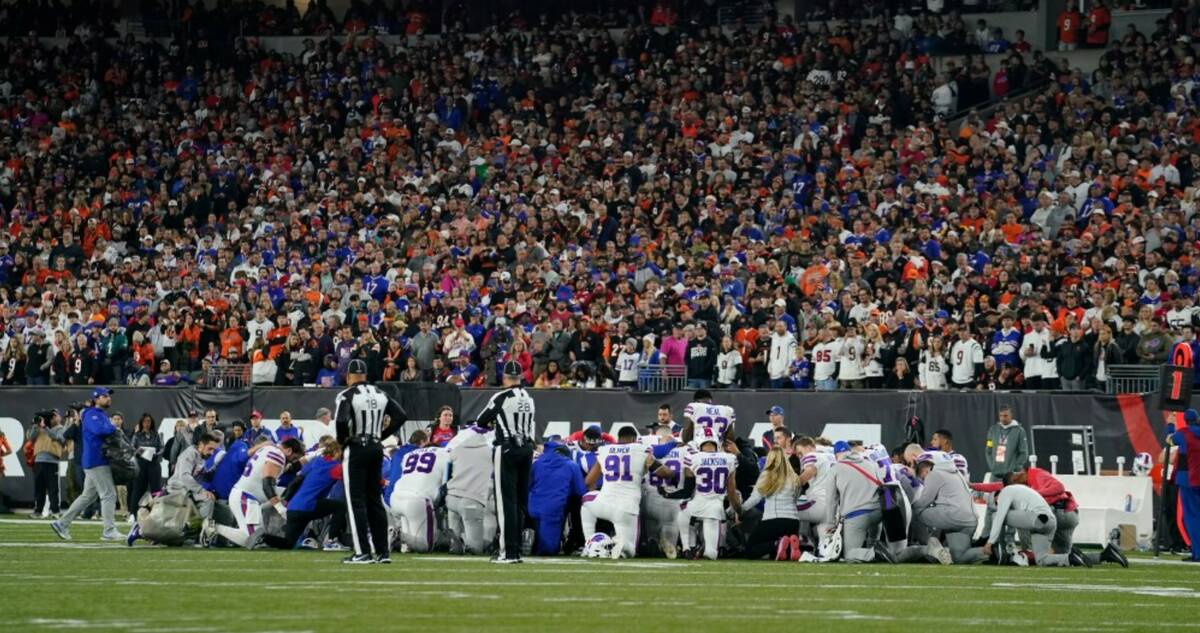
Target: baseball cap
592,434
775,410
101,391
356,366
513,369
256,414
841,447
1190,416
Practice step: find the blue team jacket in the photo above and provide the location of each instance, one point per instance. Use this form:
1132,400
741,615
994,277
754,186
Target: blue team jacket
96,426
554,480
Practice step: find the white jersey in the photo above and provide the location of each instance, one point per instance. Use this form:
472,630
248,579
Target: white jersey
627,366
252,477
823,462
824,361
623,466
673,460
717,417
713,472
258,331
424,472
964,355
850,351
931,370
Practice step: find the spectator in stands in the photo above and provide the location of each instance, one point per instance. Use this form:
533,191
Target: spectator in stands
1099,20
1070,23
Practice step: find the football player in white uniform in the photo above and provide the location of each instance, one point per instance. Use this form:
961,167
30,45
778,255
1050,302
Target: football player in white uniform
708,481
622,465
416,494
256,487
812,507
660,513
703,413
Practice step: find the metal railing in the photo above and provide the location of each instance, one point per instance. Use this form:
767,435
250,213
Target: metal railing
1132,379
662,378
228,376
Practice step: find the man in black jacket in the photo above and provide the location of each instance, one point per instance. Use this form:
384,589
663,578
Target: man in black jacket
37,365
1074,358
701,358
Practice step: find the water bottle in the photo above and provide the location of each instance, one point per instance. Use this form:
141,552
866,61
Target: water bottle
1128,502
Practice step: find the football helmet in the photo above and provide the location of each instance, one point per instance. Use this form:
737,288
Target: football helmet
599,546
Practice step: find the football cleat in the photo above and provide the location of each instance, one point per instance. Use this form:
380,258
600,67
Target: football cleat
334,546
359,559
1077,559
1113,554
383,560
669,551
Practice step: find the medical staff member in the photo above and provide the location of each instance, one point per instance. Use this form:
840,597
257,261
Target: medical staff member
1187,477
556,480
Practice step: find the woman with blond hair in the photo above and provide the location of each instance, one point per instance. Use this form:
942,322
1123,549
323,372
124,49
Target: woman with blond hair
778,486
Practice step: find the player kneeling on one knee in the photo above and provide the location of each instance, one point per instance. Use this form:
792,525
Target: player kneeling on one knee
257,487
1019,507
415,496
622,465
943,506
708,482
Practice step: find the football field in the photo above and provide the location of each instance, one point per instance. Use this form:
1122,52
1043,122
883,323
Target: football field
85,585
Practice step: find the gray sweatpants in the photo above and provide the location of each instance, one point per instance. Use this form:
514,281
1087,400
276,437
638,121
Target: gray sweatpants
859,535
936,519
1040,534
472,522
97,484
1064,536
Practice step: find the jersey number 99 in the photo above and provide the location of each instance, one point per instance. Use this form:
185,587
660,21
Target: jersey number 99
421,463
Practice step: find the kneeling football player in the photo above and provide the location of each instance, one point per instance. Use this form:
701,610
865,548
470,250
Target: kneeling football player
622,465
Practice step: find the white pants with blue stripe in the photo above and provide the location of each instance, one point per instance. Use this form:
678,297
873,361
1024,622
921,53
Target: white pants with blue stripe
417,523
624,523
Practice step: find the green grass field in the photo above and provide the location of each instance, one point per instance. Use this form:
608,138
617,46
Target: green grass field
48,585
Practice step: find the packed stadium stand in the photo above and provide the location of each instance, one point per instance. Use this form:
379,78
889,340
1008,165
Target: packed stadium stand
892,195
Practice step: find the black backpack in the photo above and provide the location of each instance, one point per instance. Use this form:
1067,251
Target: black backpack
122,458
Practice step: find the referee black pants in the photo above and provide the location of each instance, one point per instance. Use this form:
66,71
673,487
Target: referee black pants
362,461
512,462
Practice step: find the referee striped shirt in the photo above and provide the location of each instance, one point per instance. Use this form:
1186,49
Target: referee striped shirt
361,410
511,413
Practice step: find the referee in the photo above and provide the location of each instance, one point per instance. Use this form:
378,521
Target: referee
361,409
510,413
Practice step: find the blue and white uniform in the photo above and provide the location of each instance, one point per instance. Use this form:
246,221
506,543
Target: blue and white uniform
424,472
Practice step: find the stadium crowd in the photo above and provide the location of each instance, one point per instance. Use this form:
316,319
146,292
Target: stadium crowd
768,207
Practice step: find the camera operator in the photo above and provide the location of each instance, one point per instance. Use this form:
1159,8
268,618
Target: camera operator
47,436
73,437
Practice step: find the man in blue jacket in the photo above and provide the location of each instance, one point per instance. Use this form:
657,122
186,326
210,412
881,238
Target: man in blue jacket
97,475
555,479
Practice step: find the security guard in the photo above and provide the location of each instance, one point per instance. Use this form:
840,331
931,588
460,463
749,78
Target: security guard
1187,477
360,421
511,414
